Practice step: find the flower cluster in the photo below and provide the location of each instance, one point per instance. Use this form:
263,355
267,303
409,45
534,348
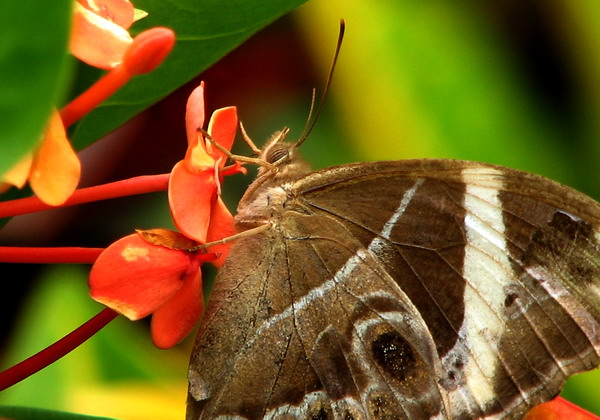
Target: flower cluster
148,272
99,38
158,272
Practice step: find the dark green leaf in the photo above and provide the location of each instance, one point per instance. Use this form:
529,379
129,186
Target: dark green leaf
205,32
28,413
32,55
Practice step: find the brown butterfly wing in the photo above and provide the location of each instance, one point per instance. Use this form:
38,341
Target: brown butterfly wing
404,289
279,340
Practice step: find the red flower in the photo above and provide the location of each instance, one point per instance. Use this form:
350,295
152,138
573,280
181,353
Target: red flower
53,169
152,273
558,409
195,183
99,35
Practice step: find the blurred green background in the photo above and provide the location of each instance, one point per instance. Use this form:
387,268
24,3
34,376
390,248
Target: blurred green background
511,83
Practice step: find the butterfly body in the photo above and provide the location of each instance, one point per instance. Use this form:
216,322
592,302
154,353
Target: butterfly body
409,289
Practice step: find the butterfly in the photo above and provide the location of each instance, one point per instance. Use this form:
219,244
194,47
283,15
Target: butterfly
414,289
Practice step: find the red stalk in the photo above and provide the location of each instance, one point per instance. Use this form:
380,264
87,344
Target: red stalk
52,353
43,255
96,94
146,52
132,186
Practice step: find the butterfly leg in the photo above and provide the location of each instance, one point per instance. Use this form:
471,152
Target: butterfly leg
235,237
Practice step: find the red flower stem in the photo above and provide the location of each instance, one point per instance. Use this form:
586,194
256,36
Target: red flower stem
40,255
145,53
51,354
95,95
132,186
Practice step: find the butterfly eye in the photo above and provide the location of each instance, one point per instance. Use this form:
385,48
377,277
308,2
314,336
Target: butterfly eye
277,154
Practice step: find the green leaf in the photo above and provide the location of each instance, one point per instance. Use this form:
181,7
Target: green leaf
205,31
28,413
32,56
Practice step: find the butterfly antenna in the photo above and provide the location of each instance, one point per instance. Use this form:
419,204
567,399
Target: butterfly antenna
310,122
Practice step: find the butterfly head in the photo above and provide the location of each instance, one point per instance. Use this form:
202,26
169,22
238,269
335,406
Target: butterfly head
279,163
283,155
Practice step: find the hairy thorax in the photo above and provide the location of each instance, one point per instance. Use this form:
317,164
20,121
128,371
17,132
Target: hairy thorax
272,192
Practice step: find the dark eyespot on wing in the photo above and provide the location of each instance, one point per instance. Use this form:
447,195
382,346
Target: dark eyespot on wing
394,355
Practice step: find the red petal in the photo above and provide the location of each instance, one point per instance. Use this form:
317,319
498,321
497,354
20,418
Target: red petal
222,128
134,277
190,199
221,226
18,174
559,409
120,12
174,320
197,159
55,169
97,41
236,168
194,115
